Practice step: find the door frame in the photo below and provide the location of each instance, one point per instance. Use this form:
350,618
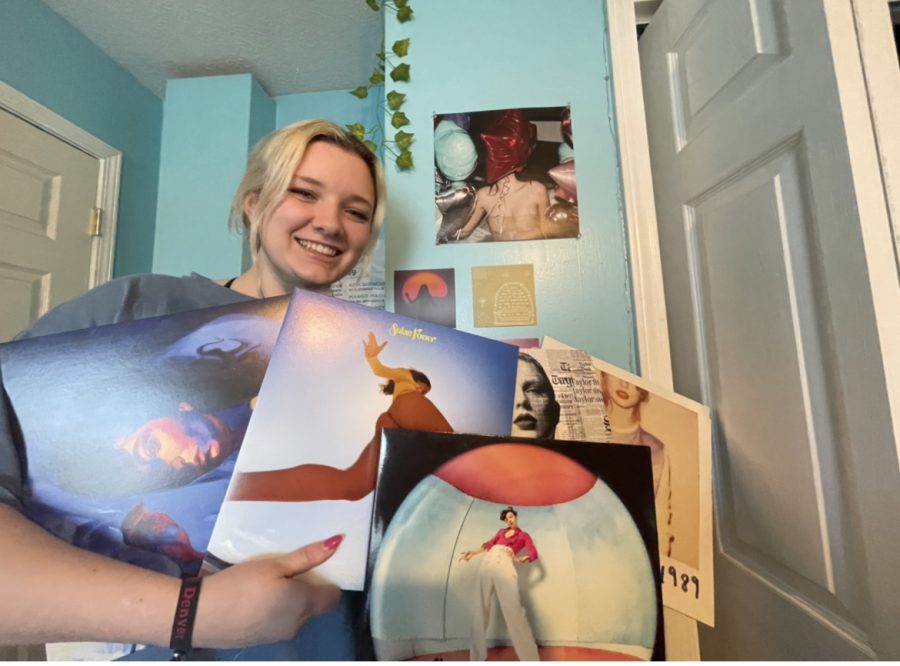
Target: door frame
110,159
637,187
649,305
878,54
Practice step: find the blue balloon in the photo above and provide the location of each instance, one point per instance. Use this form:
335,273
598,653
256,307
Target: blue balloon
461,119
454,151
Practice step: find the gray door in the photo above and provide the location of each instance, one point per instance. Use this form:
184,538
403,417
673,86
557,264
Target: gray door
782,309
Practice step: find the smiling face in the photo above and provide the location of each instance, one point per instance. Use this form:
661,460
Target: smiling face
320,229
511,520
535,411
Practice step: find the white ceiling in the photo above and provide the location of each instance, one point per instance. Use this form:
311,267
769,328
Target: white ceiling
290,46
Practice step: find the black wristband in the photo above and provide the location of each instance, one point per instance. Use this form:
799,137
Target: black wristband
183,624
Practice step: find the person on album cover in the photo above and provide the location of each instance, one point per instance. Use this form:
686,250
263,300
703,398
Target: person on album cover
161,484
623,402
536,410
409,409
497,575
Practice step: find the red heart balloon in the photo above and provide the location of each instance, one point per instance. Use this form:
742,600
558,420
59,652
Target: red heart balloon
509,142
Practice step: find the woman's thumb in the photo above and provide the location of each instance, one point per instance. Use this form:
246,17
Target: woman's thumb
309,556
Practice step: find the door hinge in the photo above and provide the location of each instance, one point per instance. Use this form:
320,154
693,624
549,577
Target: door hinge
94,222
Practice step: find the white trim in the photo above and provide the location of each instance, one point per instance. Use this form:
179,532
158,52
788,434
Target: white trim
882,77
867,89
651,327
110,159
640,208
645,9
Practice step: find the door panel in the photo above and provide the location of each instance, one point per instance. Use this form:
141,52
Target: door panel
47,191
724,50
739,236
772,324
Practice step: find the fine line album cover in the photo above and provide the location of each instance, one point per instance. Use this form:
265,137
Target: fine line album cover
505,548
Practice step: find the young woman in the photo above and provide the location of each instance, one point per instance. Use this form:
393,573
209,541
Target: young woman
311,203
497,575
535,408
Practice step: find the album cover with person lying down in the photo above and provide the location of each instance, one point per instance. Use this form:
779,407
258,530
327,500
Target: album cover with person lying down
501,548
131,430
505,175
340,373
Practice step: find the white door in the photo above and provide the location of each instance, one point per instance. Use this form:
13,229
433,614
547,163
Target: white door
783,303
47,192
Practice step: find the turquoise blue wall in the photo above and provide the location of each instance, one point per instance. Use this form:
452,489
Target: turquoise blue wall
472,55
209,126
45,58
338,106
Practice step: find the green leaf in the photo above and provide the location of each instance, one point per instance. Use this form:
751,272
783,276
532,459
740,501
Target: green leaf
362,92
405,160
400,72
381,56
395,100
401,47
403,139
377,77
404,14
400,4
371,145
358,130
373,4
399,119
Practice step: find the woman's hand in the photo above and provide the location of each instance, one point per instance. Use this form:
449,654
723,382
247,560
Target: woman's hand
523,559
261,601
371,346
467,555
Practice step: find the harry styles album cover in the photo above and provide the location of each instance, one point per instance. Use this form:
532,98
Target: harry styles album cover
130,431
504,548
340,373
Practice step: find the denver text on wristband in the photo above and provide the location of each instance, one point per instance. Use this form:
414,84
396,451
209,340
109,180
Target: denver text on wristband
183,624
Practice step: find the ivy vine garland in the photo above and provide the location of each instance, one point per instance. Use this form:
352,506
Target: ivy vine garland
399,148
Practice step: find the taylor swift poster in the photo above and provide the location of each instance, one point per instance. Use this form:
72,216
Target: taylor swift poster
509,548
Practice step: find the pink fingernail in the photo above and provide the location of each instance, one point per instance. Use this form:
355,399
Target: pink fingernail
333,542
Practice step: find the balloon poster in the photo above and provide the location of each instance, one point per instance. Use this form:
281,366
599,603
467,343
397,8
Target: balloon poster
505,175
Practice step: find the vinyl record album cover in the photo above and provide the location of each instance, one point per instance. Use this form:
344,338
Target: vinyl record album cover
676,430
340,373
501,548
131,430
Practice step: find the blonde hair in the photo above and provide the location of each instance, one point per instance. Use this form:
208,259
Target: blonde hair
272,166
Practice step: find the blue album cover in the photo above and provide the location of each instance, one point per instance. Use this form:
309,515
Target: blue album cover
130,431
